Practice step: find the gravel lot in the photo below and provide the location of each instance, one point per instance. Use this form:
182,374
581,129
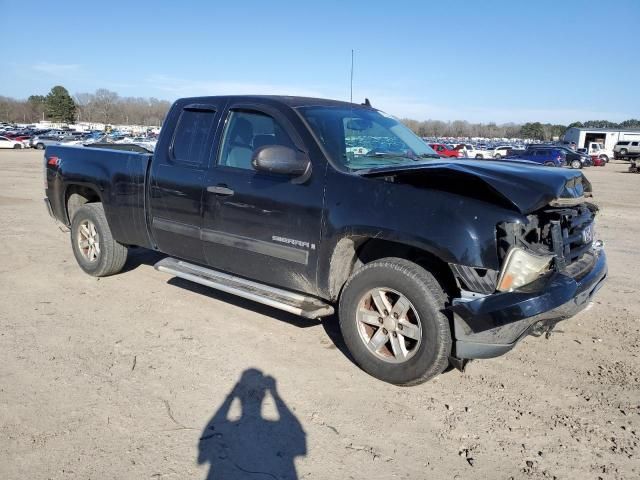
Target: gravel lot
142,376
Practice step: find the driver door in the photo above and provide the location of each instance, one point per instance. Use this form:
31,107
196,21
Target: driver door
261,225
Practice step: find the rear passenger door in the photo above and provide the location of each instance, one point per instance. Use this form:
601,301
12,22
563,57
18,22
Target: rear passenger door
261,225
177,178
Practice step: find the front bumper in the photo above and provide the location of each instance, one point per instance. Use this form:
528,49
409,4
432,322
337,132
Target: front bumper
491,326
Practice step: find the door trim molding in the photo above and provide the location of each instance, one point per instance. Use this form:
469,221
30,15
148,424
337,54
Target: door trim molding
283,252
176,227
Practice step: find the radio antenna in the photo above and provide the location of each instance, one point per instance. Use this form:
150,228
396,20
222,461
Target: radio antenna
351,86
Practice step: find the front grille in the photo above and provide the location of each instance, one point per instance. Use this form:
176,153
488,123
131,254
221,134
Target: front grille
571,231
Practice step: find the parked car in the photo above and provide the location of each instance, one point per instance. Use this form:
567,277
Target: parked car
43,141
426,261
598,150
573,159
626,149
476,152
10,143
446,151
501,151
550,157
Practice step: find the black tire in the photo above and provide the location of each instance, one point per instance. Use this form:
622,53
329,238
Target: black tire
623,152
112,255
549,164
419,286
576,164
478,156
497,156
605,158
40,146
16,147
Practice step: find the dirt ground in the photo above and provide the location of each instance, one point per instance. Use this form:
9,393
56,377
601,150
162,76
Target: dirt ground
143,376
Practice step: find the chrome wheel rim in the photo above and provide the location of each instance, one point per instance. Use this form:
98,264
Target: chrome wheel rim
389,325
88,240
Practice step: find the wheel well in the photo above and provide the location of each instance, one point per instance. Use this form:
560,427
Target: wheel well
78,195
351,253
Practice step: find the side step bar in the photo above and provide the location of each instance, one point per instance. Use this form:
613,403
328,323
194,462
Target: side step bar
298,304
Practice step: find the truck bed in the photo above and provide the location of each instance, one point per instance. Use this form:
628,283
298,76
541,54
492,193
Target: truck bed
121,178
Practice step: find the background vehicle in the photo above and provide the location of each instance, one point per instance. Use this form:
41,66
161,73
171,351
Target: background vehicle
312,205
574,159
478,153
551,157
598,150
9,143
42,141
446,151
501,151
626,149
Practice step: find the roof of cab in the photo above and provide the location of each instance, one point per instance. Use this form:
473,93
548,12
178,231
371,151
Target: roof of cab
291,101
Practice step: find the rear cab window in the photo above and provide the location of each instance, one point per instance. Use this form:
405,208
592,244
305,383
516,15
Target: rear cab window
190,145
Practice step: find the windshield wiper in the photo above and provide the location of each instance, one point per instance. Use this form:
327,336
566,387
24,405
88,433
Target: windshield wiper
390,155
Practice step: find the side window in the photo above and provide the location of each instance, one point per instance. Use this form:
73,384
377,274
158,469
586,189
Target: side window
246,131
634,144
190,138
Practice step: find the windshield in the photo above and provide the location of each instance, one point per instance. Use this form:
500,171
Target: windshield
362,138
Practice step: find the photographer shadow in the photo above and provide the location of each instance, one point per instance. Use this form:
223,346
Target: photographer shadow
240,443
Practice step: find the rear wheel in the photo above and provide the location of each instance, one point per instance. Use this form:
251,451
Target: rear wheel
392,320
17,146
40,146
605,158
96,251
478,156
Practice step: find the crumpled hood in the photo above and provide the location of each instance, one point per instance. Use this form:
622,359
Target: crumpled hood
527,186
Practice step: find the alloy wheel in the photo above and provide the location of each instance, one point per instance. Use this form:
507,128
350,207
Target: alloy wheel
389,325
88,240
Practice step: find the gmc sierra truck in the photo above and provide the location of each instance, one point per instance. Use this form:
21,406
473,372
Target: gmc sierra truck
312,206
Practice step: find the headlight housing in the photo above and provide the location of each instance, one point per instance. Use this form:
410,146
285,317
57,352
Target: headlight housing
522,267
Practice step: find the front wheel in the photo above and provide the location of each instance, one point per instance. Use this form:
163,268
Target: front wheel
497,156
17,146
39,146
605,158
94,247
392,320
576,164
549,164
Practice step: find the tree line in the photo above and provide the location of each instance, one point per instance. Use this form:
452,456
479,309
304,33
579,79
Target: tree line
105,106
102,106
529,130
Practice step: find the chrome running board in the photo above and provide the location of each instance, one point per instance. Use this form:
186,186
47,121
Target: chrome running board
296,303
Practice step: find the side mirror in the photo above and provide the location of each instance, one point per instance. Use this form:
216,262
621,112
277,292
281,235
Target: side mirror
280,159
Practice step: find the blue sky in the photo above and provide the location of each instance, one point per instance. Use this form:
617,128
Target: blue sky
555,61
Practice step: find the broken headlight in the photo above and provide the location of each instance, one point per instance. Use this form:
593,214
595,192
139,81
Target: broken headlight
522,267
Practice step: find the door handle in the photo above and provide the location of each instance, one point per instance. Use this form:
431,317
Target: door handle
221,190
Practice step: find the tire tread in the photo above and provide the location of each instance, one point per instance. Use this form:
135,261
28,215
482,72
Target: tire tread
113,254
427,282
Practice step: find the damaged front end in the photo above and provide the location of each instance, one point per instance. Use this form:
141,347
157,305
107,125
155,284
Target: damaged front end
559,267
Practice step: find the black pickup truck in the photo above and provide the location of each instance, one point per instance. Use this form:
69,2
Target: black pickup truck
309,205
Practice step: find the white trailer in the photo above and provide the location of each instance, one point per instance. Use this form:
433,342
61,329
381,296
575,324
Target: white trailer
582,137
